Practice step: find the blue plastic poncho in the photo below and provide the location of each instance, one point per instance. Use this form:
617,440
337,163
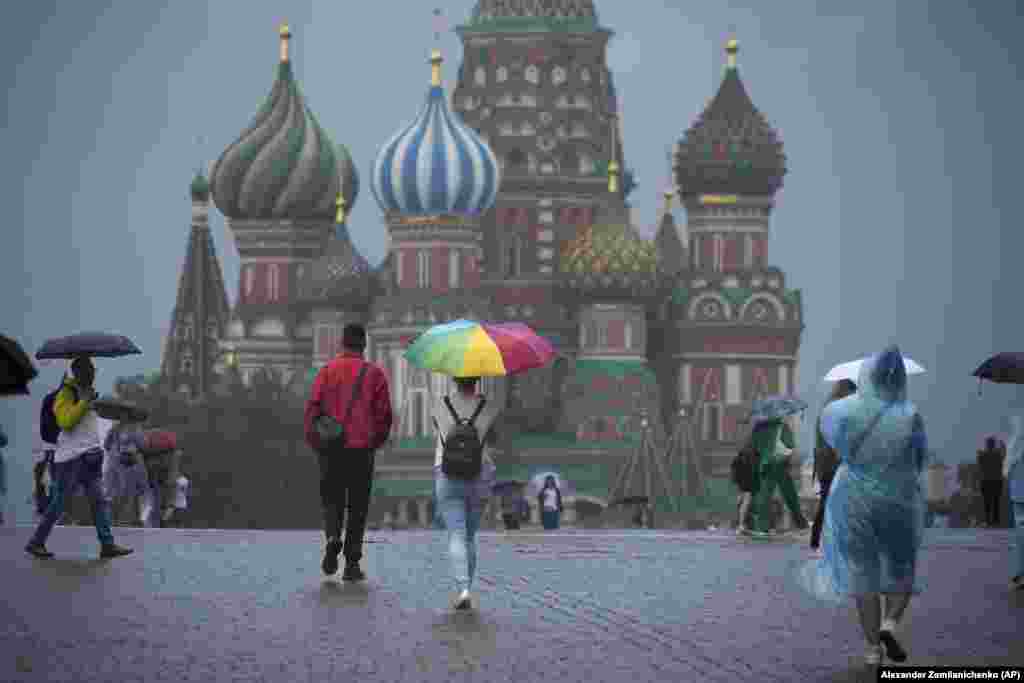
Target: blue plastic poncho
874,517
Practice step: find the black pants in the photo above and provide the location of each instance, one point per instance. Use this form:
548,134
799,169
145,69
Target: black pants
992,492
346,477
819,518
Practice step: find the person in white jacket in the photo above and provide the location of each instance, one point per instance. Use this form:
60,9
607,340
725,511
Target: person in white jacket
460,501
78,460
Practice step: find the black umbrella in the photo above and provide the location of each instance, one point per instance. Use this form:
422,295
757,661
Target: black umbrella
1002,368
119,411
88,344
16,369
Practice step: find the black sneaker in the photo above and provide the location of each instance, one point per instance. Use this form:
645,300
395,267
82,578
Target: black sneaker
353,572
330,563
114,550
38,550
893,650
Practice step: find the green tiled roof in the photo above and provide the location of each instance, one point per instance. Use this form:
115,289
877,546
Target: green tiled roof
680,295
793,296
736,295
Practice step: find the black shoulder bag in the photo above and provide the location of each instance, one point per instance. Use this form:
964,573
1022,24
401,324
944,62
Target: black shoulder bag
332,433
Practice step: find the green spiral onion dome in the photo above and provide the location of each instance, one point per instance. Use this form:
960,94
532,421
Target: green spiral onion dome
283,165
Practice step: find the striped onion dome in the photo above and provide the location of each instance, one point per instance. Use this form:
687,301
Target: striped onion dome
283,165
436,165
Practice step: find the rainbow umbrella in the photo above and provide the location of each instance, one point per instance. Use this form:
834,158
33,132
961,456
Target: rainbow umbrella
466,348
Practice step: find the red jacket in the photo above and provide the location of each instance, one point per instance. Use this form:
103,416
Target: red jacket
370,422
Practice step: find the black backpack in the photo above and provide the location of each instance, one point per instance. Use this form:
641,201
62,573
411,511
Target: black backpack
744,466
49,430
462,449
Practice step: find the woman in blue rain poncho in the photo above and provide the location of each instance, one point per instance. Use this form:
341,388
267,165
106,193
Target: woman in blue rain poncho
874,517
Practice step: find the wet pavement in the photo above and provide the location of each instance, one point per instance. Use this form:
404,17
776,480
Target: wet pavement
570,605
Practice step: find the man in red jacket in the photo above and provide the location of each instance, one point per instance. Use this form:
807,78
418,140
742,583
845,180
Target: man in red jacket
346,473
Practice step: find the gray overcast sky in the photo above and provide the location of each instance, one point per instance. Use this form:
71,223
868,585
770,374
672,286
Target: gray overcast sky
900,120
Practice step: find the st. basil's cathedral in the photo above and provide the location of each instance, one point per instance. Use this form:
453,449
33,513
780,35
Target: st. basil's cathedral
507,200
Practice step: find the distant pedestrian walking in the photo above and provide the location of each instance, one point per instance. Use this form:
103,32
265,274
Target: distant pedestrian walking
347,418
1013,470
78,460
124,473
990,469
549,500
826,460
874,517
463,475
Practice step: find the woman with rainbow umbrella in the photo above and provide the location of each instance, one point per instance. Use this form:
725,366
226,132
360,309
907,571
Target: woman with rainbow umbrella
464,468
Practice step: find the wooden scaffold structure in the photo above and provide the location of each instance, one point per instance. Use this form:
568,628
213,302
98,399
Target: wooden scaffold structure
683,456
645,475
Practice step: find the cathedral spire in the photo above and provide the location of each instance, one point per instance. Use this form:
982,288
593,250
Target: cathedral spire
201,310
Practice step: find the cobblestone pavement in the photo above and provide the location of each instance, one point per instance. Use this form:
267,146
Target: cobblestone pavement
571,605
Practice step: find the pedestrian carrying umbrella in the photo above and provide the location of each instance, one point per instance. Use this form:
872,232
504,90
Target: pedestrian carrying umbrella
776,407
537,483
466,348
16,369
851,369
98,344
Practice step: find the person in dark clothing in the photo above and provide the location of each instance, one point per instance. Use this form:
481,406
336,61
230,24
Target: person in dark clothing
826,460
346,470
990,467
744,474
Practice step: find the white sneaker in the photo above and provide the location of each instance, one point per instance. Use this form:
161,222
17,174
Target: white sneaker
464,601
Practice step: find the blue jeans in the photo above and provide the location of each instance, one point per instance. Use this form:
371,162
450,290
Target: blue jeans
66,476
461,506
1018,521
549,518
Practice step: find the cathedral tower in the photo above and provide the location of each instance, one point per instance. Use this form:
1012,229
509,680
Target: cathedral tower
433,180
277,186
535,83
732,329
201,310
